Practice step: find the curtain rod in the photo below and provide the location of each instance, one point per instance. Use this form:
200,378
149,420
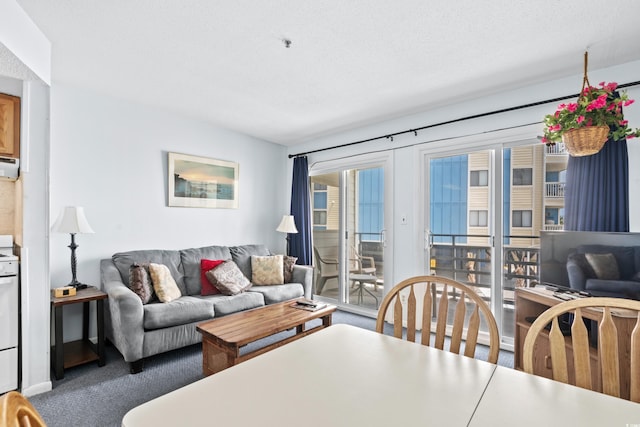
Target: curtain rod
475,116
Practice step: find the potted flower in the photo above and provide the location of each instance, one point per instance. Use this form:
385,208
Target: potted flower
585,125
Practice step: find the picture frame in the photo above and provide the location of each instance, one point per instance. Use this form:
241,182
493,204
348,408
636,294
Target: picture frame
201,182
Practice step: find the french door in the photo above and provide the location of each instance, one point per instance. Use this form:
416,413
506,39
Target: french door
350,240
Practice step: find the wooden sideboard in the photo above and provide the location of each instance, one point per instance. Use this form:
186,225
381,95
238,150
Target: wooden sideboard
531,302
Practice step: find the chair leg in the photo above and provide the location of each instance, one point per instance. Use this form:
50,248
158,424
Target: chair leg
321,282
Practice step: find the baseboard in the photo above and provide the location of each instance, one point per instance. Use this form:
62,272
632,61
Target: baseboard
37,389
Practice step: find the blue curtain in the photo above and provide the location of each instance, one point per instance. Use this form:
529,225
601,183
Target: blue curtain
300,243
597,190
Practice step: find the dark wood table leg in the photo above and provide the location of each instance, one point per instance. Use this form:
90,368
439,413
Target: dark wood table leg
326,320
100,324
85,321
59,345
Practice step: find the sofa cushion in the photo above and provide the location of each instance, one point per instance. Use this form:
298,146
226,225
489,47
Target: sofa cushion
624,255
228,278
278,293
180,311
228,304
207,286
287,267
584,265
190,259
241,255
140,282
604,265
267,270
124,260
614,288
163,284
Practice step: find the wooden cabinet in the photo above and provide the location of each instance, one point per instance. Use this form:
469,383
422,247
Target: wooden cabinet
531,302
9,126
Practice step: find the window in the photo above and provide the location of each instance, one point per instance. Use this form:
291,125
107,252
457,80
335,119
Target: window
478,218
523,176
521,218
319,206
479,178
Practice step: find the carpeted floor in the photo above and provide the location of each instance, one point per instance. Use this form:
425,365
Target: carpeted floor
93,396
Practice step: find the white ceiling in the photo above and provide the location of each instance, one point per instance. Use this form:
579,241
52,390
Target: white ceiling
351,62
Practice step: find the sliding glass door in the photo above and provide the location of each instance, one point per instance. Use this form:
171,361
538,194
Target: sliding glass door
484,210
349,243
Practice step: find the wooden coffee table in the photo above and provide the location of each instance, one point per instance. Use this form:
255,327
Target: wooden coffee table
223,338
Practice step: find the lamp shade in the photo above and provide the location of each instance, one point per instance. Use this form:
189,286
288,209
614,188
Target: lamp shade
287,225
72,220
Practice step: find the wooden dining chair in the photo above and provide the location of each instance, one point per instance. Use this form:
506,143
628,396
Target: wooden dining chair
441,295
579,368
17,411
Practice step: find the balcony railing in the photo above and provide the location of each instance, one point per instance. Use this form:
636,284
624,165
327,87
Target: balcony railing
452,257
553,227
558,148
555,189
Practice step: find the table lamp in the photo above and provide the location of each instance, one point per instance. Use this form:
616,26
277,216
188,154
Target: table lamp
287,225
73,221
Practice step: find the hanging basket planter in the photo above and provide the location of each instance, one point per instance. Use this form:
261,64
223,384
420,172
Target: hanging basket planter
584,126
585,141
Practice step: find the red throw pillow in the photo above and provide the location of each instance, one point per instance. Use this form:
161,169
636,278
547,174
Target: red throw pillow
206,265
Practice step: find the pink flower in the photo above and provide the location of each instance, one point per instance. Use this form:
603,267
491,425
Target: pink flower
623,122
631,136
580,119
544,140
572,107
555,128
611,86
628,102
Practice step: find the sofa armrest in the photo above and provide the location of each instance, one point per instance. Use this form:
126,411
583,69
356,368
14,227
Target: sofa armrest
124,319
304,274
577,277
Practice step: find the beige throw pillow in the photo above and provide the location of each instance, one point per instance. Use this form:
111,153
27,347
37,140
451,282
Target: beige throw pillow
228,278
604,265
163,284
267,270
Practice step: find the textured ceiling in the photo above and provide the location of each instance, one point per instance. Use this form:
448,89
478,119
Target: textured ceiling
351,62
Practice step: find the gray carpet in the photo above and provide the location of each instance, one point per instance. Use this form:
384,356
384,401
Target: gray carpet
93,396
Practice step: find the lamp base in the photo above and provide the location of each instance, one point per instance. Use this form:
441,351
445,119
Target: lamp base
77,284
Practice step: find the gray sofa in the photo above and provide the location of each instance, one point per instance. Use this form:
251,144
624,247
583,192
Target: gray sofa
625,261
139,331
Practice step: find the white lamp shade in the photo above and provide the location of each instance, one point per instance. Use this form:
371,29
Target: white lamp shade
72,220
287,225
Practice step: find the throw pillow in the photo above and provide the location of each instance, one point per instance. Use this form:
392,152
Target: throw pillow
139,281
267,270
604,265
584,265
207,286
287,265
165,286
228,278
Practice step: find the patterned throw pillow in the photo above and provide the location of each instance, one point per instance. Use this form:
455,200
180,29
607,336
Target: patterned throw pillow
267,270
207,286
228,278
165,286
287,267
605,266
139,281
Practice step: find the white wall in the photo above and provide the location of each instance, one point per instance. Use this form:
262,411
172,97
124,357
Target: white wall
408,239
110,156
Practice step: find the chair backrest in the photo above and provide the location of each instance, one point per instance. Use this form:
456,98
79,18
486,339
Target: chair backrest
608,338
17,411
436,305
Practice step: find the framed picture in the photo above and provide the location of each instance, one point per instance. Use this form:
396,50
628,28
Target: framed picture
201,182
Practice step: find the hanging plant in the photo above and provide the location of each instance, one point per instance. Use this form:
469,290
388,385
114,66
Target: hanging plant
596,107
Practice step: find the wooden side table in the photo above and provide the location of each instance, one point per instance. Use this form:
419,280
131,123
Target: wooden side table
65,355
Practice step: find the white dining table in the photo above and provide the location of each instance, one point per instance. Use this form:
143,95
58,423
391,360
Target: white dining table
348,376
